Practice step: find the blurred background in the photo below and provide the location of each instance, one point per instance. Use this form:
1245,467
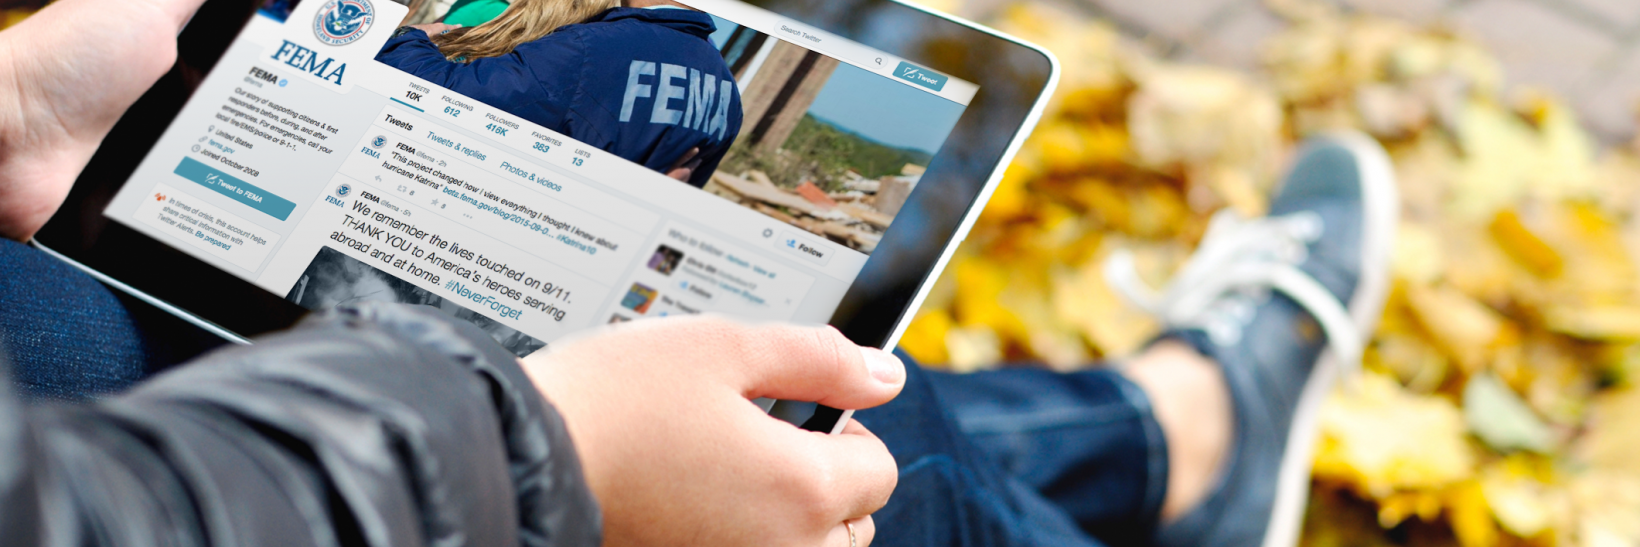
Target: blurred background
1499,405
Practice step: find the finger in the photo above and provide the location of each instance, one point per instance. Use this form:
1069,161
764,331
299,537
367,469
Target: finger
171,13
687,158
177,11
681,174
854,472
865,530
873,473
818,364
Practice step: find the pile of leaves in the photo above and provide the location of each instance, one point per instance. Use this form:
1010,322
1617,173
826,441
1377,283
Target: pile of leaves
1499,404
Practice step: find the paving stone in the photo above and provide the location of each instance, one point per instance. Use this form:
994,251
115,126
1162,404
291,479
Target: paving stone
1235,41
1543,43
1537,46
1173,19
1622,14
1417,11
1610,107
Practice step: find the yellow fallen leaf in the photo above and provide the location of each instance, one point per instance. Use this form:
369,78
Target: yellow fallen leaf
1011,197
1620,323
1418,254
1201,116
1524,246
924,339
1027,298
1565,162
1613,440
1108,321
1103,145
1400,506
981,283
973,348
1501,157
1413,361
1467,330
1382,439
1471,516
1237,187
1605,504
1520,503
1476,266
1061,146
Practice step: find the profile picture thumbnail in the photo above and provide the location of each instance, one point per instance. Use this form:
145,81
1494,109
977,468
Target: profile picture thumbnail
665,260
639,298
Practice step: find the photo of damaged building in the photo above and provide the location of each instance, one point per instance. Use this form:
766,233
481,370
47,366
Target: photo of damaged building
812,171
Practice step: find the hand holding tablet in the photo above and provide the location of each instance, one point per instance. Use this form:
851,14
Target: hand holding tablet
71,90
270,190
673,448
829,165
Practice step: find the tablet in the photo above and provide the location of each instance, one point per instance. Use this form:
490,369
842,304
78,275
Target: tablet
807,161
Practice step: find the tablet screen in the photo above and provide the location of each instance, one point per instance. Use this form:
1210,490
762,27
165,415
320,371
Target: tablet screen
650,162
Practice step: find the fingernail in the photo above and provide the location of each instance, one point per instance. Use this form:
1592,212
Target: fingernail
884,366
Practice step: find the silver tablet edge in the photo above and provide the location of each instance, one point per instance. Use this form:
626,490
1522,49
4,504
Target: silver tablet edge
197,321
961,234
1018,141
906,317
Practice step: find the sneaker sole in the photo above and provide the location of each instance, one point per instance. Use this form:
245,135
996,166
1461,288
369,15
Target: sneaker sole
1381,204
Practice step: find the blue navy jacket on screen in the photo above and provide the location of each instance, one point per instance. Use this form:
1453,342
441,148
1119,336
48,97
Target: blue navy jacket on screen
644,84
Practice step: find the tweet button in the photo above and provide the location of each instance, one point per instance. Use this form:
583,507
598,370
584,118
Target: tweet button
249,194
921,76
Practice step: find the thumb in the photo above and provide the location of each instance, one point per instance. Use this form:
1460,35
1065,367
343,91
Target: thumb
174,12
820,365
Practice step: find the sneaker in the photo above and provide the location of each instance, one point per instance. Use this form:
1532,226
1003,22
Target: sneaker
1284,305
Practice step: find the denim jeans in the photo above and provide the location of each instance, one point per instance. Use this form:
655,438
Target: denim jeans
67,336
1016,457
1020,457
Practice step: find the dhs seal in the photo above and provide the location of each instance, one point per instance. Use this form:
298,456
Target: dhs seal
340,22
378,142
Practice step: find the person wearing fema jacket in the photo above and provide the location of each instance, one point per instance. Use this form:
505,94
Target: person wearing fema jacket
642,81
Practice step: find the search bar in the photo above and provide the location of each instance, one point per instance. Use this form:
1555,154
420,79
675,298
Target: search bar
835,46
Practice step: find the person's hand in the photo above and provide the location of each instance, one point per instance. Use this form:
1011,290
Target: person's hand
678,454
67,73
683,169
434,29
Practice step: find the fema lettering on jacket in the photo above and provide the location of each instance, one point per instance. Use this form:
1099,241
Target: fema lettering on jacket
707,100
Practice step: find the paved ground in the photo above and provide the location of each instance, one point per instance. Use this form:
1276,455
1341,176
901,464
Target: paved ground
1587,51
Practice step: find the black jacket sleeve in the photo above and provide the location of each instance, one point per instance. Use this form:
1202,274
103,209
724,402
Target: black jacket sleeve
370,425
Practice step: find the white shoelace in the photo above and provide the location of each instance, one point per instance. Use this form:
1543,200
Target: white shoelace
1233,271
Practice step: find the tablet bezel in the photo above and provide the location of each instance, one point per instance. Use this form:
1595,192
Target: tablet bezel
1015,80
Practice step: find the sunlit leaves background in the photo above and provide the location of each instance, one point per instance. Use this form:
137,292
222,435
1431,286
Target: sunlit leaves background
1498,407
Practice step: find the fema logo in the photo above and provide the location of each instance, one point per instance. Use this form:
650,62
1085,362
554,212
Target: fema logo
378,142
340,22
343,190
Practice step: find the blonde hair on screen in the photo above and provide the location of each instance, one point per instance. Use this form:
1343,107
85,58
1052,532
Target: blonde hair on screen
523,21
